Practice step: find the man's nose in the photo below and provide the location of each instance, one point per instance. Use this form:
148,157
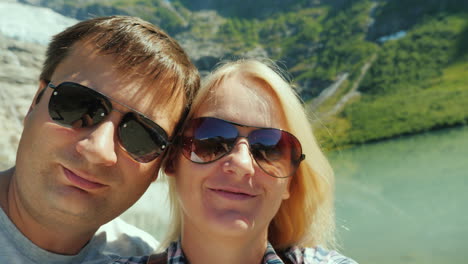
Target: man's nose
98,146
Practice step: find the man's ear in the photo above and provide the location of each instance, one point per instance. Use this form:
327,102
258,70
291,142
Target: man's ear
169,168
155,176
38,96
170,161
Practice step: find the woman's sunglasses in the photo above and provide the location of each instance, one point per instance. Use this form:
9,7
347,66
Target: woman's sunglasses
77,106
207,139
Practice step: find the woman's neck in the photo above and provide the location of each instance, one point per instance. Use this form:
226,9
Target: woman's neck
202,247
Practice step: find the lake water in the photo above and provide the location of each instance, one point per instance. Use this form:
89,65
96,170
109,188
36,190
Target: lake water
398,201
403,201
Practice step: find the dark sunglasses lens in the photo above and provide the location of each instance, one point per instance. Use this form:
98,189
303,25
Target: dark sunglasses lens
77,106
143,139
277,152
208,139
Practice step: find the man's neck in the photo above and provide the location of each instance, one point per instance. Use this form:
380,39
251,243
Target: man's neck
5,177
55,237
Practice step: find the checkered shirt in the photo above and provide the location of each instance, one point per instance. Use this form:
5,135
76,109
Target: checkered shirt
296,255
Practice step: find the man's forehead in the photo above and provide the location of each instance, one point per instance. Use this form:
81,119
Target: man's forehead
134,88
148,101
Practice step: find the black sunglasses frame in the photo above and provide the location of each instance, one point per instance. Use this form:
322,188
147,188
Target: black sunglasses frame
151,128
183,138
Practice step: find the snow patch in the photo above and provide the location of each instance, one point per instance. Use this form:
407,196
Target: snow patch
30,23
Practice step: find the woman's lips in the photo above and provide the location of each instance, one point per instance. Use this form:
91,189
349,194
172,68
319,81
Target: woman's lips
233,195
81,182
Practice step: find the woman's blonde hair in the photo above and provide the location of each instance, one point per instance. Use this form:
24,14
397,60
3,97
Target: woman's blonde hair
307,217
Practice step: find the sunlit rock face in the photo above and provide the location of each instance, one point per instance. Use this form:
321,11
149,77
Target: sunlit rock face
24,33
20,64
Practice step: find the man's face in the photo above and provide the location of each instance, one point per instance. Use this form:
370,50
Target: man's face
81,176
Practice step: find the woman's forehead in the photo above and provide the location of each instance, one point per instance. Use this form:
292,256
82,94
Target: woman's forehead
244,101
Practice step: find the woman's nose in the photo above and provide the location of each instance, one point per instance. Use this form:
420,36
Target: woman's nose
241,161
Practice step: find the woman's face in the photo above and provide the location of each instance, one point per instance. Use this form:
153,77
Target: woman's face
233,196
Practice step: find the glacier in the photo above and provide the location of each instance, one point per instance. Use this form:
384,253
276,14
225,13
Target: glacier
30,23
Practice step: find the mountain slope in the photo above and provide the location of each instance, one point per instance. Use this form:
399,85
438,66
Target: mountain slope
394,54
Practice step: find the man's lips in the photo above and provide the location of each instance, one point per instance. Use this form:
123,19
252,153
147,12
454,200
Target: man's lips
81,182
233,194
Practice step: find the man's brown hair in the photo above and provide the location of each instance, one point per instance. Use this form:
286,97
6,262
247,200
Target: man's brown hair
140,49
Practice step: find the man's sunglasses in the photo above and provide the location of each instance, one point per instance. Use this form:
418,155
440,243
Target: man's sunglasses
207,139
77,106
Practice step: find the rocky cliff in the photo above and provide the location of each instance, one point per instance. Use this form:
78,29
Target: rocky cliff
19,70
23,33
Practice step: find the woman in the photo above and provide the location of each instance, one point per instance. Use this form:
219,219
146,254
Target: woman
243,190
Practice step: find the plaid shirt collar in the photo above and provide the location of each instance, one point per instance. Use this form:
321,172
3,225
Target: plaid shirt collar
295,255
175,255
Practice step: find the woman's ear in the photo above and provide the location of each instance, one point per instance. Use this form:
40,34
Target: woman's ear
286,193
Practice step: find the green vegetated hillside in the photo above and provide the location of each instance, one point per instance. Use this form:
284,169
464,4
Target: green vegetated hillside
389,68
417,83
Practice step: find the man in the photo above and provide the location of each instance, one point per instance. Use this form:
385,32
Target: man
111,95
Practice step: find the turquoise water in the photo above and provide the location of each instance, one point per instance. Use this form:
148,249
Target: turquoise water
403,201
399,201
